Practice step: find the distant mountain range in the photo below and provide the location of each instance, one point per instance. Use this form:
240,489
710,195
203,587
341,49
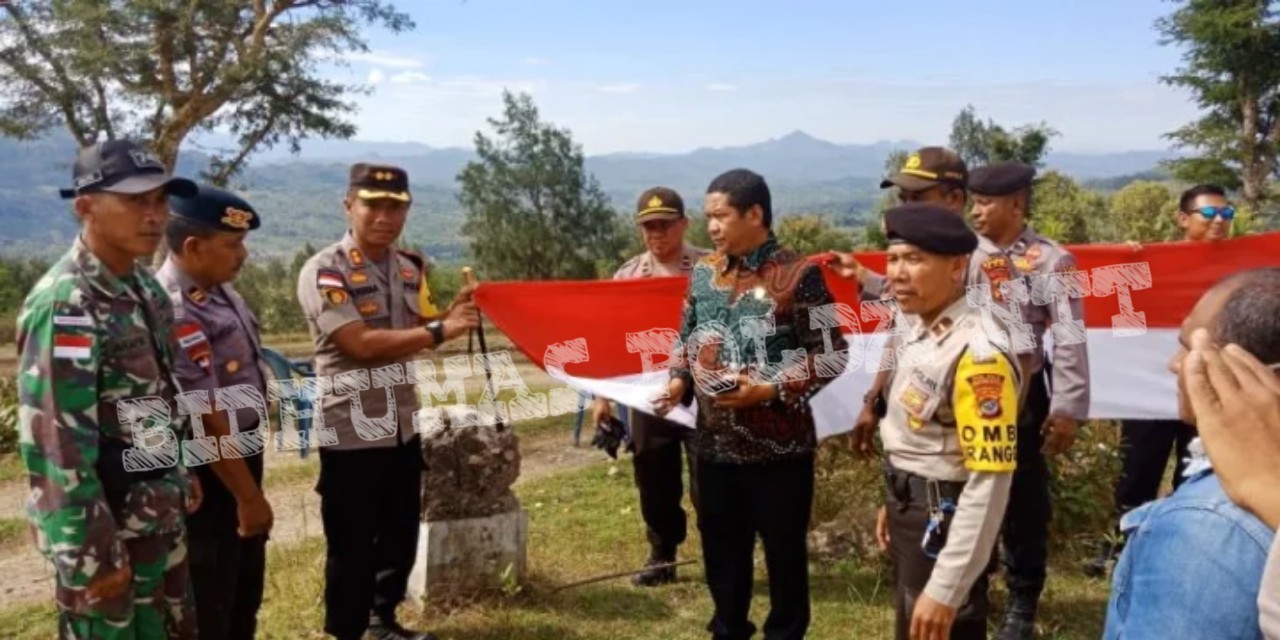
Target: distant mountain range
300,195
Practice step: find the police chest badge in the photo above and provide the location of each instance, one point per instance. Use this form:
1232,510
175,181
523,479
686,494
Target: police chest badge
986,388
359,277
919,402
997,270
335,296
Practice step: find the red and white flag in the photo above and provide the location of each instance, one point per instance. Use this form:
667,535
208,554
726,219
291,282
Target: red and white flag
578,331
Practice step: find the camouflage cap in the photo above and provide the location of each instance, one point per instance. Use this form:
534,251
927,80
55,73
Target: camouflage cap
372,181
929,167
659,203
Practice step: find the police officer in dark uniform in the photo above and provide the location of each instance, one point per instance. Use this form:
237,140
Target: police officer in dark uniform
1056,394
218,354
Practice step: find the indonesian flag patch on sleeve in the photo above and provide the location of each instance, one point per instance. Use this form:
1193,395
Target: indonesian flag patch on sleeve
328,279
72,346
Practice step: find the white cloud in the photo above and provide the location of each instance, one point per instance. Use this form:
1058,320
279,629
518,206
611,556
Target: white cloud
409,77
534,61
619,88
721,86
375,77
383,59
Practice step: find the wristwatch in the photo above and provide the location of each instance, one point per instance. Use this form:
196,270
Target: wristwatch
437,331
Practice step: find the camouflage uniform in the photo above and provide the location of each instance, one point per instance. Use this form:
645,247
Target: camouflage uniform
87,341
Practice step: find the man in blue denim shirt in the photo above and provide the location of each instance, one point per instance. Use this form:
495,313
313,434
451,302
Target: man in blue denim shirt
1194,561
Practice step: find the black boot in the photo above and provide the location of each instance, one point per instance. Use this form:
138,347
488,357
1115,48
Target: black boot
1096,567
654,577
389,629
1020,613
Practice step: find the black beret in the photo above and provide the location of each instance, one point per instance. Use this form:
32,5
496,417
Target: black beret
1001,179
216,208
930,227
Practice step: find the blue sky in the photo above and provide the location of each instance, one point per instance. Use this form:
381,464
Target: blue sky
668,76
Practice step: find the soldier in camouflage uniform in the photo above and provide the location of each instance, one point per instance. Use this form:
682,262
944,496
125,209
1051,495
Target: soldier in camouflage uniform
94,339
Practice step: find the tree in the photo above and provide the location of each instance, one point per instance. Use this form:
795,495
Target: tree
1061,209
160,70
1231,67
532,211
1143,211
981,143
811,234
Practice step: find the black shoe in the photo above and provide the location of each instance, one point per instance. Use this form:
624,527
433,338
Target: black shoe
393,631
1097,566
1020,615
654,577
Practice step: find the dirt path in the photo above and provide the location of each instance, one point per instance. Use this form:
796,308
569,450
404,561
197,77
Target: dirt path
26,577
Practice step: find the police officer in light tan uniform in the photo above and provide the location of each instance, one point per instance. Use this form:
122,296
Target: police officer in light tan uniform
1051,412
363,301
937,176
949,429
658,442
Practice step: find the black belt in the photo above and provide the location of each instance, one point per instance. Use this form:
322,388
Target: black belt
906,486
114,477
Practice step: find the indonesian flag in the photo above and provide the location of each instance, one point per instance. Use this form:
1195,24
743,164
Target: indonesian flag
595,336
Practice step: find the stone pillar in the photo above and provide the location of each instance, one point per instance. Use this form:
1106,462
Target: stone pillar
474,533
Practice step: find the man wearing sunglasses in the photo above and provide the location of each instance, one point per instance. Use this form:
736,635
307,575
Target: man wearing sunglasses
658,442
1204,215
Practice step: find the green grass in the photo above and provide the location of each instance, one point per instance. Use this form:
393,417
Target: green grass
11,468
585,523
12,531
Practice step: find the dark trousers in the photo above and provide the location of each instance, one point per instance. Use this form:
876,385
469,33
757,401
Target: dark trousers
774,500
226,570
1025,533
908,515
661,447
370,506
1145,446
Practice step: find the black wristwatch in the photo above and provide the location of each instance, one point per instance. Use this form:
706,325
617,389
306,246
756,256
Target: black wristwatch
437,331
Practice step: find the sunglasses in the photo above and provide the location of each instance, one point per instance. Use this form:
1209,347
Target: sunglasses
1209,213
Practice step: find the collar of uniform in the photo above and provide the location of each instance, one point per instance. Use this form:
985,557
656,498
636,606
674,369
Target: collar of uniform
97,273
352,251
1025,240
187,286
756,257
944,323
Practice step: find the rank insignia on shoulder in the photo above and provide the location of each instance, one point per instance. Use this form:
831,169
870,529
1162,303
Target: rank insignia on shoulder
987,387
335,296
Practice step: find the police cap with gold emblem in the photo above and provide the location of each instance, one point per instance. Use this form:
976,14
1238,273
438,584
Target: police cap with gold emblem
1001,179
930,227
375,181
659,203
217,209
929,167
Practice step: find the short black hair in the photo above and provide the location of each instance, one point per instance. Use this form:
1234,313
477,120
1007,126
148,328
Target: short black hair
1189,196
1250,316
745,189
179,229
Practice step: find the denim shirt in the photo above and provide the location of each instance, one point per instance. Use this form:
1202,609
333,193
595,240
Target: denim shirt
1192,566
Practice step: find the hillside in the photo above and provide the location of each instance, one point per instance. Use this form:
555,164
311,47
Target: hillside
300,196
